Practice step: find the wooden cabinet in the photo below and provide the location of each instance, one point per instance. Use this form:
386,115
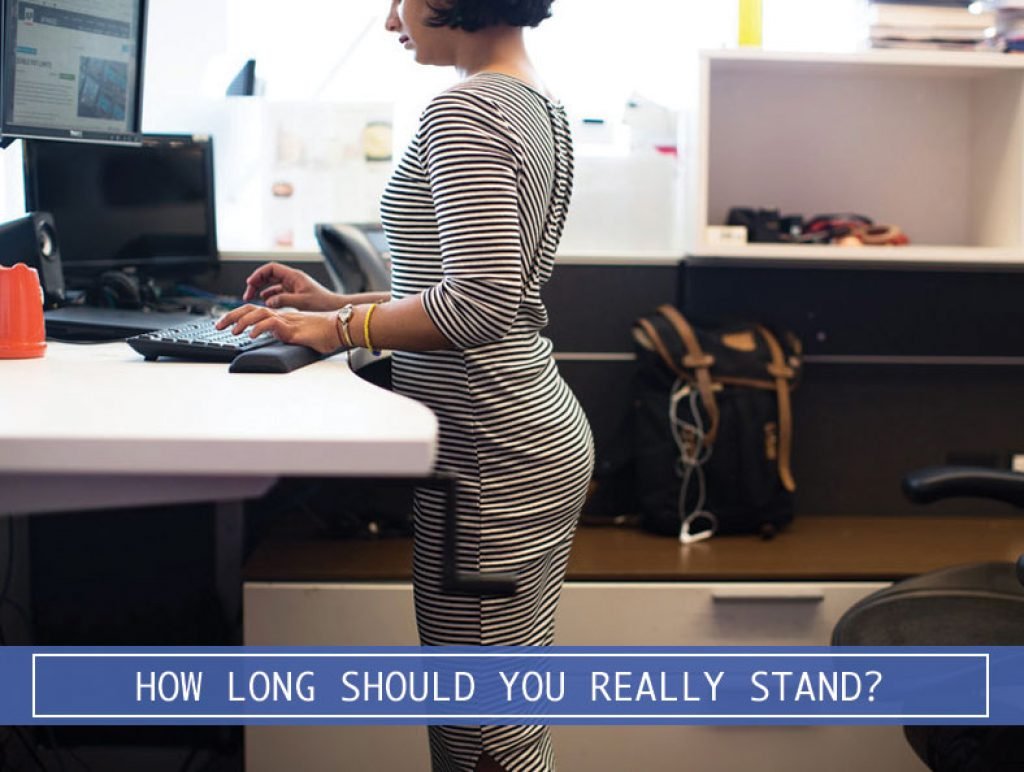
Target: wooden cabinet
704,614
718,614
591,613
624,588
332,614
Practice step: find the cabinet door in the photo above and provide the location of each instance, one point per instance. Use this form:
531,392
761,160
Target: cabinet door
332,614
329,614
733,614
731,748
590,614
703,614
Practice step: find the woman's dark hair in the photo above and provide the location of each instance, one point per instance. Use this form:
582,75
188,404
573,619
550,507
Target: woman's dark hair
472,15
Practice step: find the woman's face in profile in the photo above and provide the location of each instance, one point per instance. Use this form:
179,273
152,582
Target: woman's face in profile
430,45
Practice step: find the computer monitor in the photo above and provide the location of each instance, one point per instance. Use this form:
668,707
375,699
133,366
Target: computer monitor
72,69
148,207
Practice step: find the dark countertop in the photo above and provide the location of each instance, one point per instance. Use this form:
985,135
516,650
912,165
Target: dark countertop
834,548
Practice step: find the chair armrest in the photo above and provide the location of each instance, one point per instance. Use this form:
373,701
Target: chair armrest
924,486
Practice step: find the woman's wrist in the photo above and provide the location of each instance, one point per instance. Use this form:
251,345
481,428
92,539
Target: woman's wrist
329,338
335,300
363,298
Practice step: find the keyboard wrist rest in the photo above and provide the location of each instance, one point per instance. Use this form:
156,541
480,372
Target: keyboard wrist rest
274,358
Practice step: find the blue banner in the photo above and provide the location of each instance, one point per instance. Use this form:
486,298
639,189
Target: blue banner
558,685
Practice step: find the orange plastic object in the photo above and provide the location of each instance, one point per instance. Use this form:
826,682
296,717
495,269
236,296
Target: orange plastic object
22,330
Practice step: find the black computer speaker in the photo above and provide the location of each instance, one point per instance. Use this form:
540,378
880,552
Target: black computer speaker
32,240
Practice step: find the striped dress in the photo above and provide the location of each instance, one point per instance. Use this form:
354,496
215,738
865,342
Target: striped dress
473,216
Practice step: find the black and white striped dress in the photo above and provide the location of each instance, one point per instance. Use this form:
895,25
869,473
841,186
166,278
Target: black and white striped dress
473,216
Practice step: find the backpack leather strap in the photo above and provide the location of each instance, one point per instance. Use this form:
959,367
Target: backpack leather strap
700,362
652,336
783,374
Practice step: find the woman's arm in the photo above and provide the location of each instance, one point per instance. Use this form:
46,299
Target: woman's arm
471,165
401,324
472,162
363,298
282,286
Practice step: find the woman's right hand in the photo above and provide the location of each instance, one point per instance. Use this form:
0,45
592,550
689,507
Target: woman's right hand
280,286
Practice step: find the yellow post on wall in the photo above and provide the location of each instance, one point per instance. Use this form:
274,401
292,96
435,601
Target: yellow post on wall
750,23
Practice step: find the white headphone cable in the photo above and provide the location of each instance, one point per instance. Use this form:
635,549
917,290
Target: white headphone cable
693,454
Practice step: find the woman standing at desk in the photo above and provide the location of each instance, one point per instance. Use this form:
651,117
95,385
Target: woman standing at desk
473,215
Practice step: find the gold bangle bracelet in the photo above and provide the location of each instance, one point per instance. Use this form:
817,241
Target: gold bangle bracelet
367,343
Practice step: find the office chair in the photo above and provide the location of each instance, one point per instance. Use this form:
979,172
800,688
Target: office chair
970,605
354,263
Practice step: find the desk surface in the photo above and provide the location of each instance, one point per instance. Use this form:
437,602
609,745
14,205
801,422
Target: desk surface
97,426
103,409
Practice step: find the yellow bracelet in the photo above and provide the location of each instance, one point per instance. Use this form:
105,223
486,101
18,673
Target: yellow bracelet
366,330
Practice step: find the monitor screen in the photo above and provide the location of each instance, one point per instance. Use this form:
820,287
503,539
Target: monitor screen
72,69
148,207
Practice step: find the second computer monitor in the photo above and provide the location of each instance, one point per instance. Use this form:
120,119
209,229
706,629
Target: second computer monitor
72,70
115,207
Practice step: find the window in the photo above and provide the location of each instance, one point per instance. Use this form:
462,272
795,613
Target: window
338,90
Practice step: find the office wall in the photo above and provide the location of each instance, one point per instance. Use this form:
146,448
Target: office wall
943,385
183,38
905,368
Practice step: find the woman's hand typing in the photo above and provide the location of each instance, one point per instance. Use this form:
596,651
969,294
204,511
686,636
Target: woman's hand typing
280,285
317,330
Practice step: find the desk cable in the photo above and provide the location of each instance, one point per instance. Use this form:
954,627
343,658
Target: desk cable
19,732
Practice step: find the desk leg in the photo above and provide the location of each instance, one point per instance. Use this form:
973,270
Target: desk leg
229,544
455,580
15,606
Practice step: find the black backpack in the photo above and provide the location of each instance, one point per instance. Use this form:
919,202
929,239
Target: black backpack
713,427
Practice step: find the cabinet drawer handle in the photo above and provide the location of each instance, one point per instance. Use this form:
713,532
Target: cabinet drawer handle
767,596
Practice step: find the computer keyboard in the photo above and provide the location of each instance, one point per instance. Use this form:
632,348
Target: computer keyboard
199,340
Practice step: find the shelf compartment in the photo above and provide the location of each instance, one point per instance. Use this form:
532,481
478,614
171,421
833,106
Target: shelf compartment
929,141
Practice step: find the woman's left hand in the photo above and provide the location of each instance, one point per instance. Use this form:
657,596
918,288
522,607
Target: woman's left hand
313,329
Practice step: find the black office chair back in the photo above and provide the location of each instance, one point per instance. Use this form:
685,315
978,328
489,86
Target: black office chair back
353,262
972,605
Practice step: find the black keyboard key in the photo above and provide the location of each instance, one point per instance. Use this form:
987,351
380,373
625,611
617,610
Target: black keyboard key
198,341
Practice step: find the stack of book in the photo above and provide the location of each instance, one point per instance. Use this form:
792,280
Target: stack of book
932,24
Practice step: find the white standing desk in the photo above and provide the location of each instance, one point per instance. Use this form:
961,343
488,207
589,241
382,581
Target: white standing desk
90,426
